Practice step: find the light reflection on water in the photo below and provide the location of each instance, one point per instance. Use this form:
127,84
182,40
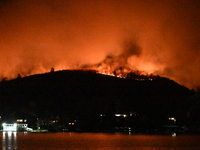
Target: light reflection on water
9,140
97,141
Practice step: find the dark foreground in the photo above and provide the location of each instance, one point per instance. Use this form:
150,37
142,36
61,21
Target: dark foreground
97,141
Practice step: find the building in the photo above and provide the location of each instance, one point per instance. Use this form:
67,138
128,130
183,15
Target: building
20,125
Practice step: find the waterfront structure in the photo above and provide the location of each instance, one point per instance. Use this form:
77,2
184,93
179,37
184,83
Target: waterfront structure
14,127
9,127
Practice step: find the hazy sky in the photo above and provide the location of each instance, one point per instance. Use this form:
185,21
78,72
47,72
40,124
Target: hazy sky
157,36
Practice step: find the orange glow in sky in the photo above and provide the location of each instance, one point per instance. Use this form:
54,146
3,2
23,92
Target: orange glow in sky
160,37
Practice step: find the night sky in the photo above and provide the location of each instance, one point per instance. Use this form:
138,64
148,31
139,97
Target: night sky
160,37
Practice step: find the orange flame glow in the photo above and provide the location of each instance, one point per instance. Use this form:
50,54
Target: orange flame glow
113,37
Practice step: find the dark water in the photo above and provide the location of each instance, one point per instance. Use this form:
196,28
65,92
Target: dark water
96,141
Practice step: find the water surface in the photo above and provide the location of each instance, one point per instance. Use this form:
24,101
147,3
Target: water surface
96,141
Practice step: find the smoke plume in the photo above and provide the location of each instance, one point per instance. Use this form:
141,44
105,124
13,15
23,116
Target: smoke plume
160,37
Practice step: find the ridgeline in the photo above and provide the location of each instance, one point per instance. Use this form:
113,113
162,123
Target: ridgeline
85,96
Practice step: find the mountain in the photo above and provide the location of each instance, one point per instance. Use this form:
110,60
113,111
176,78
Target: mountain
82,94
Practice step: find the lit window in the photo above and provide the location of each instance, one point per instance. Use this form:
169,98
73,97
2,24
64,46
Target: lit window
172,118
71,123
19,120
121,115
117,115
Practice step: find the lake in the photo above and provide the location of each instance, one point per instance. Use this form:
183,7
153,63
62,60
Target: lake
96,141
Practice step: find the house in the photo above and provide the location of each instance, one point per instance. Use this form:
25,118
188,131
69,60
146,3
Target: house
19,125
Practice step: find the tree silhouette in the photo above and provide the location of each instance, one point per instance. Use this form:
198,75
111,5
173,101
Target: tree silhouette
4,79
52,69
19,76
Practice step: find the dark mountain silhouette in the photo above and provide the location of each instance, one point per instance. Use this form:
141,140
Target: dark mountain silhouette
81,94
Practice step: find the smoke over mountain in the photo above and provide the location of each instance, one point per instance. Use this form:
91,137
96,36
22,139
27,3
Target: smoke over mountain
160,37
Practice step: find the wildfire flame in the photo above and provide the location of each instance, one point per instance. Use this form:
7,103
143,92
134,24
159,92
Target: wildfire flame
112,37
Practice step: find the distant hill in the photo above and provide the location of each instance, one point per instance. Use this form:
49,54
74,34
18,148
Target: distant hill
72,93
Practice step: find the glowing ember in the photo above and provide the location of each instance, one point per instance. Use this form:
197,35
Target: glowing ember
113,37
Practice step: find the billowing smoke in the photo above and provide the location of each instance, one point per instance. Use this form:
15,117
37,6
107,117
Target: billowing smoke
160,37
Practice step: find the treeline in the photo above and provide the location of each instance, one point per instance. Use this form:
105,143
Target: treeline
82,95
